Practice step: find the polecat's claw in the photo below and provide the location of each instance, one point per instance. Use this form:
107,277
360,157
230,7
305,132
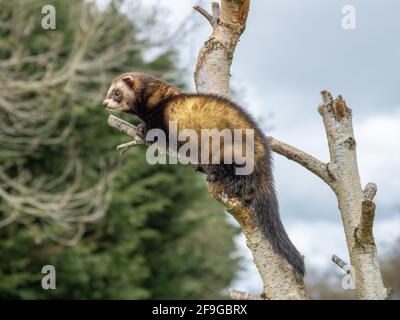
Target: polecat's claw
122,148
141,130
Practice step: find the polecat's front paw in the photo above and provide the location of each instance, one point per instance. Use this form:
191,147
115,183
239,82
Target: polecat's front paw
141,130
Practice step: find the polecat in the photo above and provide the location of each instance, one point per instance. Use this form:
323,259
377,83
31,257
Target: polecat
156,103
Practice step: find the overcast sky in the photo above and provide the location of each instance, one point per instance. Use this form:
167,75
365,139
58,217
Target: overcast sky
290,51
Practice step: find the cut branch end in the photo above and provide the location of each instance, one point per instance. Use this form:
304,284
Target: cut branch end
370,191
340,263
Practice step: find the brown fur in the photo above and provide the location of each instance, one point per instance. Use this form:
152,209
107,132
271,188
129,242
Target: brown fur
199,112
157,103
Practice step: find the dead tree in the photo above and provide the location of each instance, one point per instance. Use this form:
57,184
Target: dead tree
212,75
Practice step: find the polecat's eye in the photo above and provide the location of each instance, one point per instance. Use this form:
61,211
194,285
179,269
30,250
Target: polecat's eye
117,93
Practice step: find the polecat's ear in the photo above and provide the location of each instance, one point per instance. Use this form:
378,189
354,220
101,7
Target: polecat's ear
129,81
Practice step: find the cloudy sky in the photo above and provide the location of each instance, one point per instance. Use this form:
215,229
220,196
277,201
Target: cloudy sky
290,51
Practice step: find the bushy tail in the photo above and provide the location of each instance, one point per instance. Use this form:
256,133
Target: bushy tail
266,215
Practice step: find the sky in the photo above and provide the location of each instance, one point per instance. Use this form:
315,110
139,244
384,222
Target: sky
289,52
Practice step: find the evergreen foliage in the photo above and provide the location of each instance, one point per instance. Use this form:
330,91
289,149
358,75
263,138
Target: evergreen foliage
162,236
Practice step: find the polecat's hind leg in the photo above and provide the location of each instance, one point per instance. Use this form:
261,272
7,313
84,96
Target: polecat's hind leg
220,173
242,186
235,185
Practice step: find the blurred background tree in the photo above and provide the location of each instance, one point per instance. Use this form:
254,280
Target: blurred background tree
390,270
112,227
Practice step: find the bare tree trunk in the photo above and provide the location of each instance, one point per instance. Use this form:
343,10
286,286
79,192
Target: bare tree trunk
357,211
355,205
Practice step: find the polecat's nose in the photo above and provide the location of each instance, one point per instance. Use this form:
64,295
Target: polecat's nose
105,103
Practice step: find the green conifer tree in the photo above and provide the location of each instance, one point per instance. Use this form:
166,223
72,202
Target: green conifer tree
161,236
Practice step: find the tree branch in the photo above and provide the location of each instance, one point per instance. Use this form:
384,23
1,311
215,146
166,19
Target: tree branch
370,191
307,161
340,263
204,13
130,130
126,127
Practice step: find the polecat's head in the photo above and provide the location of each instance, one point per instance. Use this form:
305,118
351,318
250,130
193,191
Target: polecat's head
124,94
